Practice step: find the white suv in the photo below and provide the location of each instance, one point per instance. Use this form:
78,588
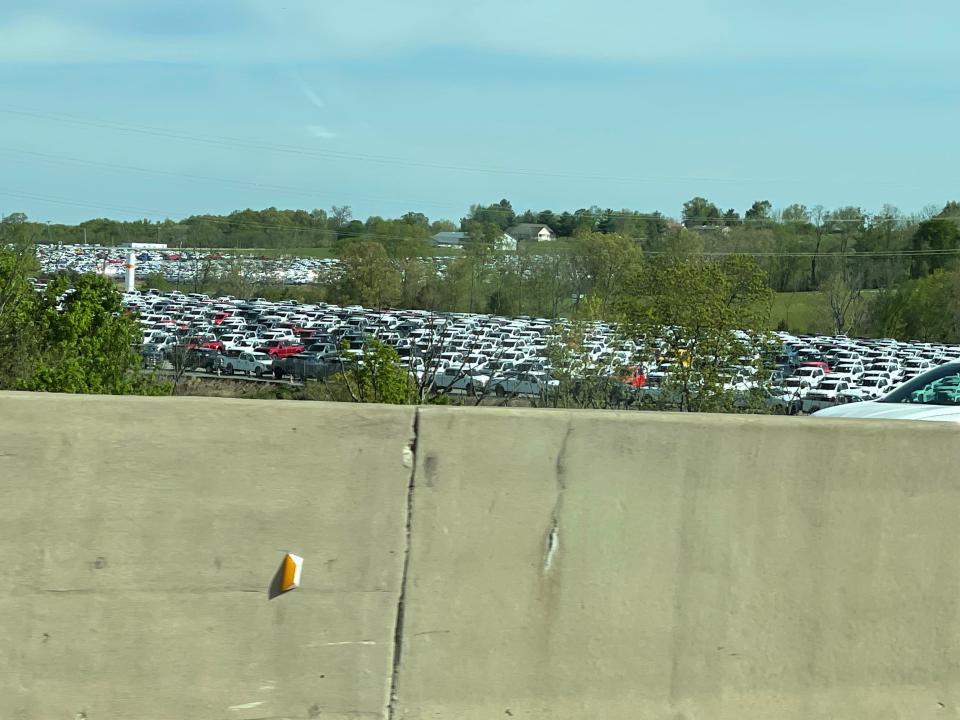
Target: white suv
934,395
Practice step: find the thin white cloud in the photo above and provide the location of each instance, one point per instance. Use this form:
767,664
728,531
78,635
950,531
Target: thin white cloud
318,131
313,98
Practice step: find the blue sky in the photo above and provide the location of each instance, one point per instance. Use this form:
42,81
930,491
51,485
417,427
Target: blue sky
169,108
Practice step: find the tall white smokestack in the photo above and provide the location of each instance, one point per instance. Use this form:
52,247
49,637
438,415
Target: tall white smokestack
131,271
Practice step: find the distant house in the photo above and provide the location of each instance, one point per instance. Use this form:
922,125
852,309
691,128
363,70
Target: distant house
450,239
506,243
537,232
709,229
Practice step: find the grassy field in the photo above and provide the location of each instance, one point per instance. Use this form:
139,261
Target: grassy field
809,312
802,312
309,252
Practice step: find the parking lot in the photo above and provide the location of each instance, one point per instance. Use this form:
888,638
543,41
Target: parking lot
178,265
486,355
473,355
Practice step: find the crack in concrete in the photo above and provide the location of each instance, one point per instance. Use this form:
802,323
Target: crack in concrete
552,545
410,452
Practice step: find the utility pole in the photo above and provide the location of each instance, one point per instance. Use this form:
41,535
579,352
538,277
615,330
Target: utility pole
520,271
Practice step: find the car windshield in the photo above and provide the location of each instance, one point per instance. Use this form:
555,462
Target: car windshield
940,386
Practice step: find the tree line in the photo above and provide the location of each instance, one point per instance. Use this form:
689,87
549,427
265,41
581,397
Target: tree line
797,245
881,273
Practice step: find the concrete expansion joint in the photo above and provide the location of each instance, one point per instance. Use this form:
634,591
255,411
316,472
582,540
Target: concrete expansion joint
409,461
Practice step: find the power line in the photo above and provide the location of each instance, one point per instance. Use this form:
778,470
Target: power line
310,194
134,212
843,255
602,214
240,143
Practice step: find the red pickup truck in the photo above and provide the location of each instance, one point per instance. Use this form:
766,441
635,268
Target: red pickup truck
280,348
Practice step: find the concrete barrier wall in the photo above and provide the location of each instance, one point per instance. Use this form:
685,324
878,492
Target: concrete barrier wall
606,565
538,563
138,538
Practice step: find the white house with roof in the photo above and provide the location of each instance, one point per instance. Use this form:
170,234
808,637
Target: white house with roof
537,232
506,243
450,239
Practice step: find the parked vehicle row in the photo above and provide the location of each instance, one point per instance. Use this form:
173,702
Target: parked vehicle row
478,354
178,265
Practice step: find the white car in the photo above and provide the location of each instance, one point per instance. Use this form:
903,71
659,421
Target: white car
825,394
530,384
872,388
934,395
892,367
811,374
793,388
916,365
259,364
451,379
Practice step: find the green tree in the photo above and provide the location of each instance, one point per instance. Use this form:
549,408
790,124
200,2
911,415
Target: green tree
18,306
85,342
501,214
582,382
340,215
381,378
796,213
17,218
605,264
486,233
844,294
710,316
477,259
416,219
938,239
759,212
367,275
684,243
700,211
818,217
925,308
731,217
442,226
951,209
887,232
407,246
546,217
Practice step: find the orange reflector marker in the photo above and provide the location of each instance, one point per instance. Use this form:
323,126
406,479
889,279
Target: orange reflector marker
292,567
